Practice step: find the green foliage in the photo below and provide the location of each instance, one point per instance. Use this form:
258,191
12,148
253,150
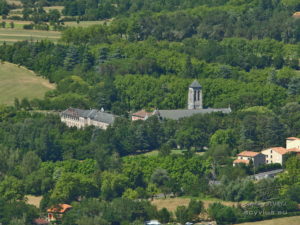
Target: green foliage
11,189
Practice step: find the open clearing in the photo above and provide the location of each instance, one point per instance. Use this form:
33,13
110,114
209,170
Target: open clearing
18,82
172,203
13,35
34,200
294,220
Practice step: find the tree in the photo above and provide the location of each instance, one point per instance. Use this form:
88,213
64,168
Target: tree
165,150
194,209
113,185
54,16
71,58
152,190
11,189
164,215
12,25
31,162
182,215
160,177
4,8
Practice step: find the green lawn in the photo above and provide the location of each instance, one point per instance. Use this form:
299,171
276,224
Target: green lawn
14,35
18,82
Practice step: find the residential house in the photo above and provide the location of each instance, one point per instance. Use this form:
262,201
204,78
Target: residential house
81,118
292,142
246,156
55,213
275,155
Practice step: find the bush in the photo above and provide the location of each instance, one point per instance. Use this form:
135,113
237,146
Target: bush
28,26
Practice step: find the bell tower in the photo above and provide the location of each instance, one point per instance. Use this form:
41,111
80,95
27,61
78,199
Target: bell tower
195,96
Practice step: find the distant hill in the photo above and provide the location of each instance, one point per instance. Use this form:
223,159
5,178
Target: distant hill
18,82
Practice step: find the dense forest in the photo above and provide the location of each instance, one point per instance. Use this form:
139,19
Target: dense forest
244,53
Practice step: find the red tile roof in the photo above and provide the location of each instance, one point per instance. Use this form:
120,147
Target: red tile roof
296,15
279,150
41,221
60,208
248,154
294,150
241,161
293,138
142,113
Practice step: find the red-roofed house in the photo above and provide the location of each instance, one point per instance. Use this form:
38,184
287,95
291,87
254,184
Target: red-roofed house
246,156
275,155
55,213
141,115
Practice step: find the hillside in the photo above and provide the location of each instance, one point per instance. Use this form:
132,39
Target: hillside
294,220
18,82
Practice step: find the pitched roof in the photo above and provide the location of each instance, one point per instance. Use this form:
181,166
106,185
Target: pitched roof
142,113
241,161
93,114
248,154
296,15
40,221
279,150
60,208
292,138
294,150
195,84
181,113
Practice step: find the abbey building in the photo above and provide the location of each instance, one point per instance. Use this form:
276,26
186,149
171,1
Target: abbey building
194,106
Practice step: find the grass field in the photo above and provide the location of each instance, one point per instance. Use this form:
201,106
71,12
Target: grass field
294,220
13,35
172,203
18,82
34,200
86,23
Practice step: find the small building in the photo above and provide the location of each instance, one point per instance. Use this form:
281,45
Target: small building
275,155
292,142
141,115
81,118
246,156
56,213
268,174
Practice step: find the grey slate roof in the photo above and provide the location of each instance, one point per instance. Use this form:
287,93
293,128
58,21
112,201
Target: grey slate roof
267,174
93,114
181,113
195,84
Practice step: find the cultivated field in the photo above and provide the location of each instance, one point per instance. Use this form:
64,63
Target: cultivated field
294,220
13,35
18,82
